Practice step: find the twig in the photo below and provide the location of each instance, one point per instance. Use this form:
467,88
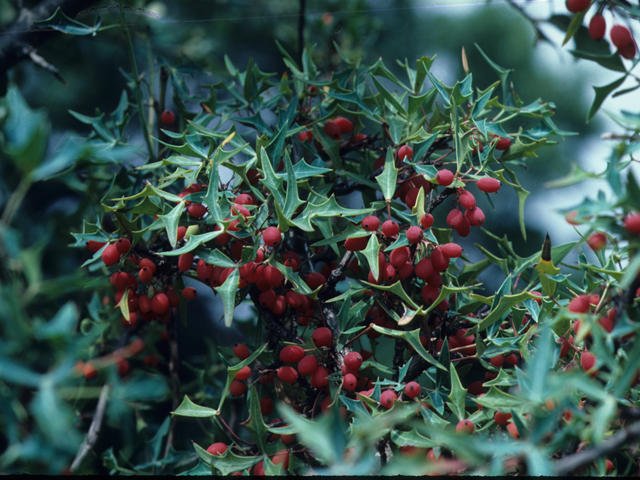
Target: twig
585,457
439,199
334,277
41,62
94,429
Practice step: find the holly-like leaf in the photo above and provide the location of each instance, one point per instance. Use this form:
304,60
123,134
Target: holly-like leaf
371,254
458,394
59,21
389,177
189,409
171,221
228,293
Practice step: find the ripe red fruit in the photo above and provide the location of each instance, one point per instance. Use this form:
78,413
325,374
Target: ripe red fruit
451,250
145,275
144,304
168,118
315,280
356,244
424,269
405,151
621,36
349,382
344,124
282,458
497,361
390,228
197,210
291,354
237,388
631,225
455,218
185,262
465,426
399,256
287,374
467,200
291,260
94,246
243,374
304,136
371,223
576,6
308,365
588,362
502,418
319,378
503,143
430,294
159,303
513,430
241,351
415,234
426,220
188,293
353,361
272,236
217,448
439,260
597,241
332,129
597,27
123,245
387,398
266,405
273,276
110,255
488,185
322,337
444,178
411,197
579,304
475,217
412,389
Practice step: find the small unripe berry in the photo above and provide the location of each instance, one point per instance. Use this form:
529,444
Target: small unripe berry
168,118
371,223
390,228
415,234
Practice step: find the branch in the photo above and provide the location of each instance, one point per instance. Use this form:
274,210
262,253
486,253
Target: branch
336,274
439,199
585,457
94,430
41,62
23,35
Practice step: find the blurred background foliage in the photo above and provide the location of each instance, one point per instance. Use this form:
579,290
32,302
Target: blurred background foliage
40,276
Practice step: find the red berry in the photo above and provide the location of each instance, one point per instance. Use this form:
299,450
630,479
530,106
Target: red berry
580,304
322,337
272,236
390,228
451,250
353,361
467,200
110,255
631,225
621,37
444,178
411,197
465,426
426,220
266,405
160,303
412,389
576,6
405,151
488,185
371,223
273,276
185,262
145,262
241,351
332,129
597,27
349,382
315,280
243,374
197,210
423,269
291,260
123,245
306,135
497,361
145,275
308,365
217,448
168,118
414,234
513,430
188,293
399,256
291,354
356,244
344,124
430,294
387,398
455,218
237,388
588,362
439,260
475,217
94,246
319,378
597,241
502,418
503,143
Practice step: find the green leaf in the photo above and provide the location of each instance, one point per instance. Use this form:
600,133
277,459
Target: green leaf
574,25
611,62
498,400
540,365
575,175
194,242
389,97
228,293
292,201
504,305
458,394
413,338
412,438
189,409
256,425
171,221
371,254
214,257
602,93
503,74
455,124
389,177
59,21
